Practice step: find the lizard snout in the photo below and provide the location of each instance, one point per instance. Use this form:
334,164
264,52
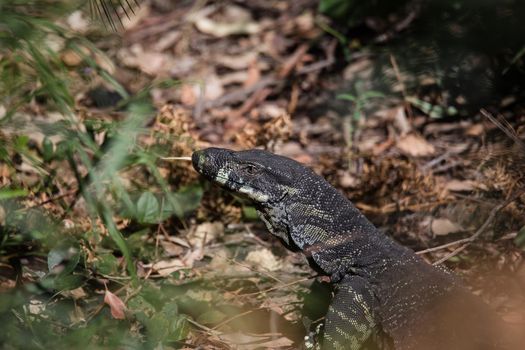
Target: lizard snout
208,162
198,158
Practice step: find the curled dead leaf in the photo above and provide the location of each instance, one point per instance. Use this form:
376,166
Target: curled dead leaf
116,305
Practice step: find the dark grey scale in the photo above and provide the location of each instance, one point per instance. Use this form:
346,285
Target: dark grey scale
386,297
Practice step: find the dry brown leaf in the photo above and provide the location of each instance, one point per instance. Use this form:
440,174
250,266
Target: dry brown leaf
443,227
238,77
167,40
171,249
205,233
71,58
461,185
475,130
150,62
254,75
167,267
236,21
306,24
415,146
77,293
116,305
237,62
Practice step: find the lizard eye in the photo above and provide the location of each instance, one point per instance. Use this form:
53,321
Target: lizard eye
250,169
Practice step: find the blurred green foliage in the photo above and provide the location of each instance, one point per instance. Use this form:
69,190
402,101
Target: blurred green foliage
49,258
359,99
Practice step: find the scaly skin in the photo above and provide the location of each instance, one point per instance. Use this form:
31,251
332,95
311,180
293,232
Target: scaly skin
382,288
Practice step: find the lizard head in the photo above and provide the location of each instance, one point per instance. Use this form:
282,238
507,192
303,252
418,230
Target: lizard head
261,176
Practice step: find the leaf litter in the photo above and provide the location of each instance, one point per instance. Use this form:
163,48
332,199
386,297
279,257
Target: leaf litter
251,76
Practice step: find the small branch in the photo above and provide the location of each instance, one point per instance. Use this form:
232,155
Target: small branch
281,286
52,199
504,126
175,158
403,87
228,320
467,241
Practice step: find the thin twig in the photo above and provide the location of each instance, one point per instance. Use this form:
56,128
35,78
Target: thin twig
281,286
507,128
207,329
261,272
175,158
228,320
52,199
435,161
403,88
467,241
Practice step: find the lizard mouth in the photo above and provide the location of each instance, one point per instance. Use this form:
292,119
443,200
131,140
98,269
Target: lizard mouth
242,188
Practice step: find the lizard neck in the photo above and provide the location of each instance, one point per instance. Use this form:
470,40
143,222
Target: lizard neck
339,239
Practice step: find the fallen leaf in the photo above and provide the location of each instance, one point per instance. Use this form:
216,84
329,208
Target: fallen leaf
167,41
475,130
236,21
415,146
264,259
77,293
139,14
205,233
234,78
212,87
220,261
36,307
306,24
443,227
167,267
171,249
461,185
150,62
254,75
237,62
116,305
71,58
347,180
77,22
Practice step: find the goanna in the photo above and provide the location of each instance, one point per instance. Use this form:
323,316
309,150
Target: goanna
384,291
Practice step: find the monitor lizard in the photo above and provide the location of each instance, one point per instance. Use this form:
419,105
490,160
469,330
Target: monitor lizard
384,291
